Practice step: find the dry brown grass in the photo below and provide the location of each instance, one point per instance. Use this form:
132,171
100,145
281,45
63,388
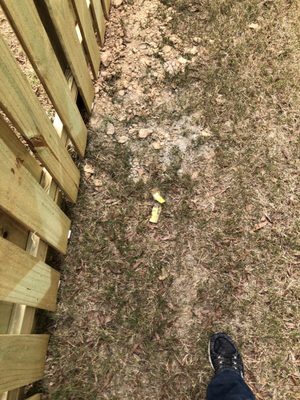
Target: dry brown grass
228,240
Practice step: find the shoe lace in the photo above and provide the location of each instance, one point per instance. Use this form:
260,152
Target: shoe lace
230,361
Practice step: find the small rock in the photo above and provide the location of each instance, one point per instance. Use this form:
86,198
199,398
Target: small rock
106,58
121,93
88,170
97,182
145,132
193,51
195,175
122,139
110,129
156,145
118,3
183,60
205,133
196,39
254,26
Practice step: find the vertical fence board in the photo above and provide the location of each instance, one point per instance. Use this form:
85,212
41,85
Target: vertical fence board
25,20
22,359
25,200
106,8
86,26
97,11
61,13
23,108
5,313
25,279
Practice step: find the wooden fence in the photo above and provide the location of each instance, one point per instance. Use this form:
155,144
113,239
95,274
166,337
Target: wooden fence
61,38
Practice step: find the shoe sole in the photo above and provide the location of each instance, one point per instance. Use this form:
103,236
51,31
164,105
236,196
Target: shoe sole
209,357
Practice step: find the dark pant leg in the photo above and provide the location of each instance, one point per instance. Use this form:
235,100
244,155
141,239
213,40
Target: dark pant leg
228,385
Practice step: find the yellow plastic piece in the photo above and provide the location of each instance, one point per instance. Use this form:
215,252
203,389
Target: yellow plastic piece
157,196
156,210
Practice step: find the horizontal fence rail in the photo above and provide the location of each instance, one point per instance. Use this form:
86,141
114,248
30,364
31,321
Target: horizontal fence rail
62,41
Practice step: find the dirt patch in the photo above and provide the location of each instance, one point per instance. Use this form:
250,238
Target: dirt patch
202,100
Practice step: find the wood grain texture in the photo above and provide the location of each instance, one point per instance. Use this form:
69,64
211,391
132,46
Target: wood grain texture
5,313
25,279
97,11
13,231
86,26
22,318
22,359
106,8
24,199
23,108
20,151
62,15
25,21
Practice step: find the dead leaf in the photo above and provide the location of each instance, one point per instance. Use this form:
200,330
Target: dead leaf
260,225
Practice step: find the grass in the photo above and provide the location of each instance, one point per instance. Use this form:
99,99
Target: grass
227,245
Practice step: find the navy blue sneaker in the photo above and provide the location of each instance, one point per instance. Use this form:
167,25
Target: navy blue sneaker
223,354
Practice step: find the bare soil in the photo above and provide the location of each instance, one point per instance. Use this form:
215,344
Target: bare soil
215,83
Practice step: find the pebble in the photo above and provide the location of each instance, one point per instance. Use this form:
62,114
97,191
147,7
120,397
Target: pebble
156,145
118,3
193,51
122,139
196,39
183,60
106,58
145,132
110,129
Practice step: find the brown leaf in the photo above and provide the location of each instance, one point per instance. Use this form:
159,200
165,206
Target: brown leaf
260,225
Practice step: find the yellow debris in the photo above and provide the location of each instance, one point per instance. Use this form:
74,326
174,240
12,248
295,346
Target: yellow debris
156,210
157,196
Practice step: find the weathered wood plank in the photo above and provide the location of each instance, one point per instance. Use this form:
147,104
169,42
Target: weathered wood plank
25,200
106,8
5,313
23,108
12,230
22,359
25,279
62,15
97,11
22,154
86,26
25,21
34,397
